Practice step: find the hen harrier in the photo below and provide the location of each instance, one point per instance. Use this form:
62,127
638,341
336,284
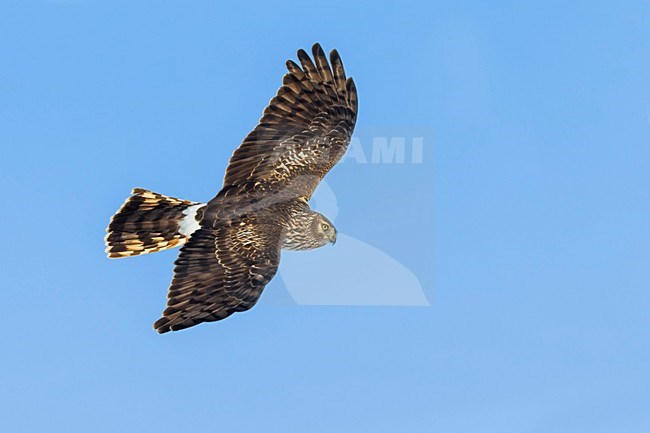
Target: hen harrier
231,245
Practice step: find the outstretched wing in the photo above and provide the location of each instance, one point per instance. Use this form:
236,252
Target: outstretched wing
219,272
303,132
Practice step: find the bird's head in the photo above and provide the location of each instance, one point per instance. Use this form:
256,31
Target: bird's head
324,229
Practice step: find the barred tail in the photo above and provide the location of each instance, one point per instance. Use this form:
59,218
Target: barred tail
149,222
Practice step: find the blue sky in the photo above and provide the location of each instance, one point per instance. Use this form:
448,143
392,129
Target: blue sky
526,224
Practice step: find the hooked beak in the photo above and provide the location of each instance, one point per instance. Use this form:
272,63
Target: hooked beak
333,238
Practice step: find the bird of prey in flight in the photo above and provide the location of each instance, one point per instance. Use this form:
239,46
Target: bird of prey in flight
231,245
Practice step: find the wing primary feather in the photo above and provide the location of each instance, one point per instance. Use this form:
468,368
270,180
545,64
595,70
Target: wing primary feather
322,65
308,66
352,95
339,71
294,69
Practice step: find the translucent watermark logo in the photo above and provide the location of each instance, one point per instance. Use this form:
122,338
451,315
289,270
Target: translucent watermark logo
385,150
355,272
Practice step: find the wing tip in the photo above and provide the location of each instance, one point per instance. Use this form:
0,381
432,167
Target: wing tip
335,57
352,97
317,50
162,325
302,54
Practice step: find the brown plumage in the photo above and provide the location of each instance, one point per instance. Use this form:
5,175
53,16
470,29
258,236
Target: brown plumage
232,244
146,223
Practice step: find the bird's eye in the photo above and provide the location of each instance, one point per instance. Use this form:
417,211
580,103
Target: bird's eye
325,226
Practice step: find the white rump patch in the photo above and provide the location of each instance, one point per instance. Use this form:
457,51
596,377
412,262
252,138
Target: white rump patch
189,224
